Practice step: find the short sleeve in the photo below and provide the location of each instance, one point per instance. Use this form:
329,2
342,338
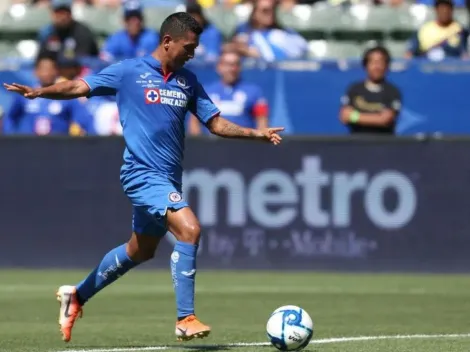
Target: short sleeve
260,104
106,82
202,106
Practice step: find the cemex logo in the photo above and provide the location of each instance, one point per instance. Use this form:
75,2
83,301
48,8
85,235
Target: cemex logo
152,96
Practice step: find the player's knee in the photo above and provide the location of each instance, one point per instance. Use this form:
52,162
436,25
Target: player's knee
191,234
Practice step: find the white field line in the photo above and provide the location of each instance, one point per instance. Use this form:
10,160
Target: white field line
254,344
240,289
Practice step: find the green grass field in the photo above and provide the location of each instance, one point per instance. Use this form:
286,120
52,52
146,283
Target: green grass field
139,311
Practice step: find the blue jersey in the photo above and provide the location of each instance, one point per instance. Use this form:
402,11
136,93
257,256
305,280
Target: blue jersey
273,44
120,45
46,117
241,103
152,110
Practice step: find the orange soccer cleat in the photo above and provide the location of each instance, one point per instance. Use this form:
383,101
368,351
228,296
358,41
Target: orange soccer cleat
70,310
190,328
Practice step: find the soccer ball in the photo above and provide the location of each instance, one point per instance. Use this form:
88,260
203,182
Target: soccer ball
289,328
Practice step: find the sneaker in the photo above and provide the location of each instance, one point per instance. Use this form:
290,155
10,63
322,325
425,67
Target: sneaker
70,310
190,328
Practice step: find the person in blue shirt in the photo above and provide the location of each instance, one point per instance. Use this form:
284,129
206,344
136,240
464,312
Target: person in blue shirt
264,38
441,38
43,117
133,41
154,94
239,101
211,40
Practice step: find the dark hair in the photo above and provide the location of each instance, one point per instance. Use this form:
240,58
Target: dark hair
443,2
178,24
275,24
196,9
379,49
45,56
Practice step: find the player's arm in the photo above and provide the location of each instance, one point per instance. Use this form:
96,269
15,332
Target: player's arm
224,128
194,126
204,109
106,82
59,91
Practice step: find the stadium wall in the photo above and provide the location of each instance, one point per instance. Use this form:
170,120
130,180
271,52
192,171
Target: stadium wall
316,204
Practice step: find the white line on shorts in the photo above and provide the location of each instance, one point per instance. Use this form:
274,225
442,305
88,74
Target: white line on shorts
253,344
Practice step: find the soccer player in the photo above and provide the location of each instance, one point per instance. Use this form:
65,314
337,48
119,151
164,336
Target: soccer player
153,93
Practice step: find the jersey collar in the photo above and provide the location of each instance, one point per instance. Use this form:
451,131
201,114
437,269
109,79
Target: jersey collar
157,65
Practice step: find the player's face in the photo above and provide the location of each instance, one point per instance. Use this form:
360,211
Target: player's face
133,25
377,66
181,50
46,72
62,18
444,14
229,67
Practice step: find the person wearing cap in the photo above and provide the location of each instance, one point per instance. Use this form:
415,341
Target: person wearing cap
211,39
65,36
441,38
134,40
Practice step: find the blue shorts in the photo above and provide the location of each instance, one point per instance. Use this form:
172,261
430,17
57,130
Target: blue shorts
151,196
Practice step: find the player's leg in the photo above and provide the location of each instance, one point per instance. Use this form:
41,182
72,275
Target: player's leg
183,224
117,262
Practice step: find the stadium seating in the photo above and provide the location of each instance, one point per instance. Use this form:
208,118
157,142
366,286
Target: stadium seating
345,28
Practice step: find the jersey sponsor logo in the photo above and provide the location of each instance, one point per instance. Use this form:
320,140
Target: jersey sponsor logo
181,81
175,197
166,97
152,96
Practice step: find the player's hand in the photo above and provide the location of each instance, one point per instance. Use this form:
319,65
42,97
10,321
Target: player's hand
271,134
23,90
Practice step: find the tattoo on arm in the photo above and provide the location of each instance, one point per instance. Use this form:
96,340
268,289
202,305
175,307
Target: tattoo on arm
231,130
224,128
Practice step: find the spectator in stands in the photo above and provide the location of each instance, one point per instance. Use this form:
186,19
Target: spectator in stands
44,117
239,101
133,41
69,68
442,38
65,36
372,106
105,115
264,38
211,39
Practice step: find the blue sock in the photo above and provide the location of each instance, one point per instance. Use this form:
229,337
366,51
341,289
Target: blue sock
183,272
114,264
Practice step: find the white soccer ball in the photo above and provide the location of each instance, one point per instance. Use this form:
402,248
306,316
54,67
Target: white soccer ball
289,328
